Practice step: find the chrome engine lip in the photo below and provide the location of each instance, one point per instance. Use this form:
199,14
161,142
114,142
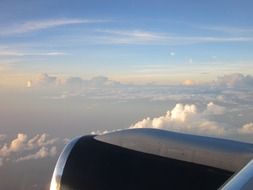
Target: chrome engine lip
242,180
61,162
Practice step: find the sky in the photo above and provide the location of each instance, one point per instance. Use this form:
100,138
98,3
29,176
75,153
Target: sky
71,68
146,41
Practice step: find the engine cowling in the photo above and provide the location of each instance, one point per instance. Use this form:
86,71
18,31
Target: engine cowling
148,159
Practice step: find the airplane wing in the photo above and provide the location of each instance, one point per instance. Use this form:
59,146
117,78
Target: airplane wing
143,159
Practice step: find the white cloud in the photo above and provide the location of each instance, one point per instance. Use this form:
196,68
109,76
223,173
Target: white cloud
42,153
102,81
246,129
40,140
53,151
16,145
54,53
237,80
131,36
44,79
215,109
21,145
9,53
211,127
229,29
147,37
232,80
182,112
31,26
76,81
183,118
188,82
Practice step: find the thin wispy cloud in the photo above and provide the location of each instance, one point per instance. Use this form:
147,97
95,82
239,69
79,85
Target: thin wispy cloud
10,53
31,26
146,37
20,54
139,34
229,29
127,37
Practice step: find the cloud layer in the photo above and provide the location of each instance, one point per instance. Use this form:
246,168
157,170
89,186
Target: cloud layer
46,80
222,107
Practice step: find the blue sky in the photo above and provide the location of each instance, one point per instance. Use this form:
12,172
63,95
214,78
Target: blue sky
124,39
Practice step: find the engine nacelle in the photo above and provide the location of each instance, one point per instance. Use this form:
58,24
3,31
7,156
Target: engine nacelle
143,159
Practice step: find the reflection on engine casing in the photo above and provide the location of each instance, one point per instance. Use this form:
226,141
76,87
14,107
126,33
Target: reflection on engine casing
145,159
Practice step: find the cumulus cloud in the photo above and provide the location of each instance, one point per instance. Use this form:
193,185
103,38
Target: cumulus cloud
246,129
40,140
42,153
183,118
22,145
215,109
182,112
47,80
44,79
235,80
101,81
18,144
188,82
73,81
